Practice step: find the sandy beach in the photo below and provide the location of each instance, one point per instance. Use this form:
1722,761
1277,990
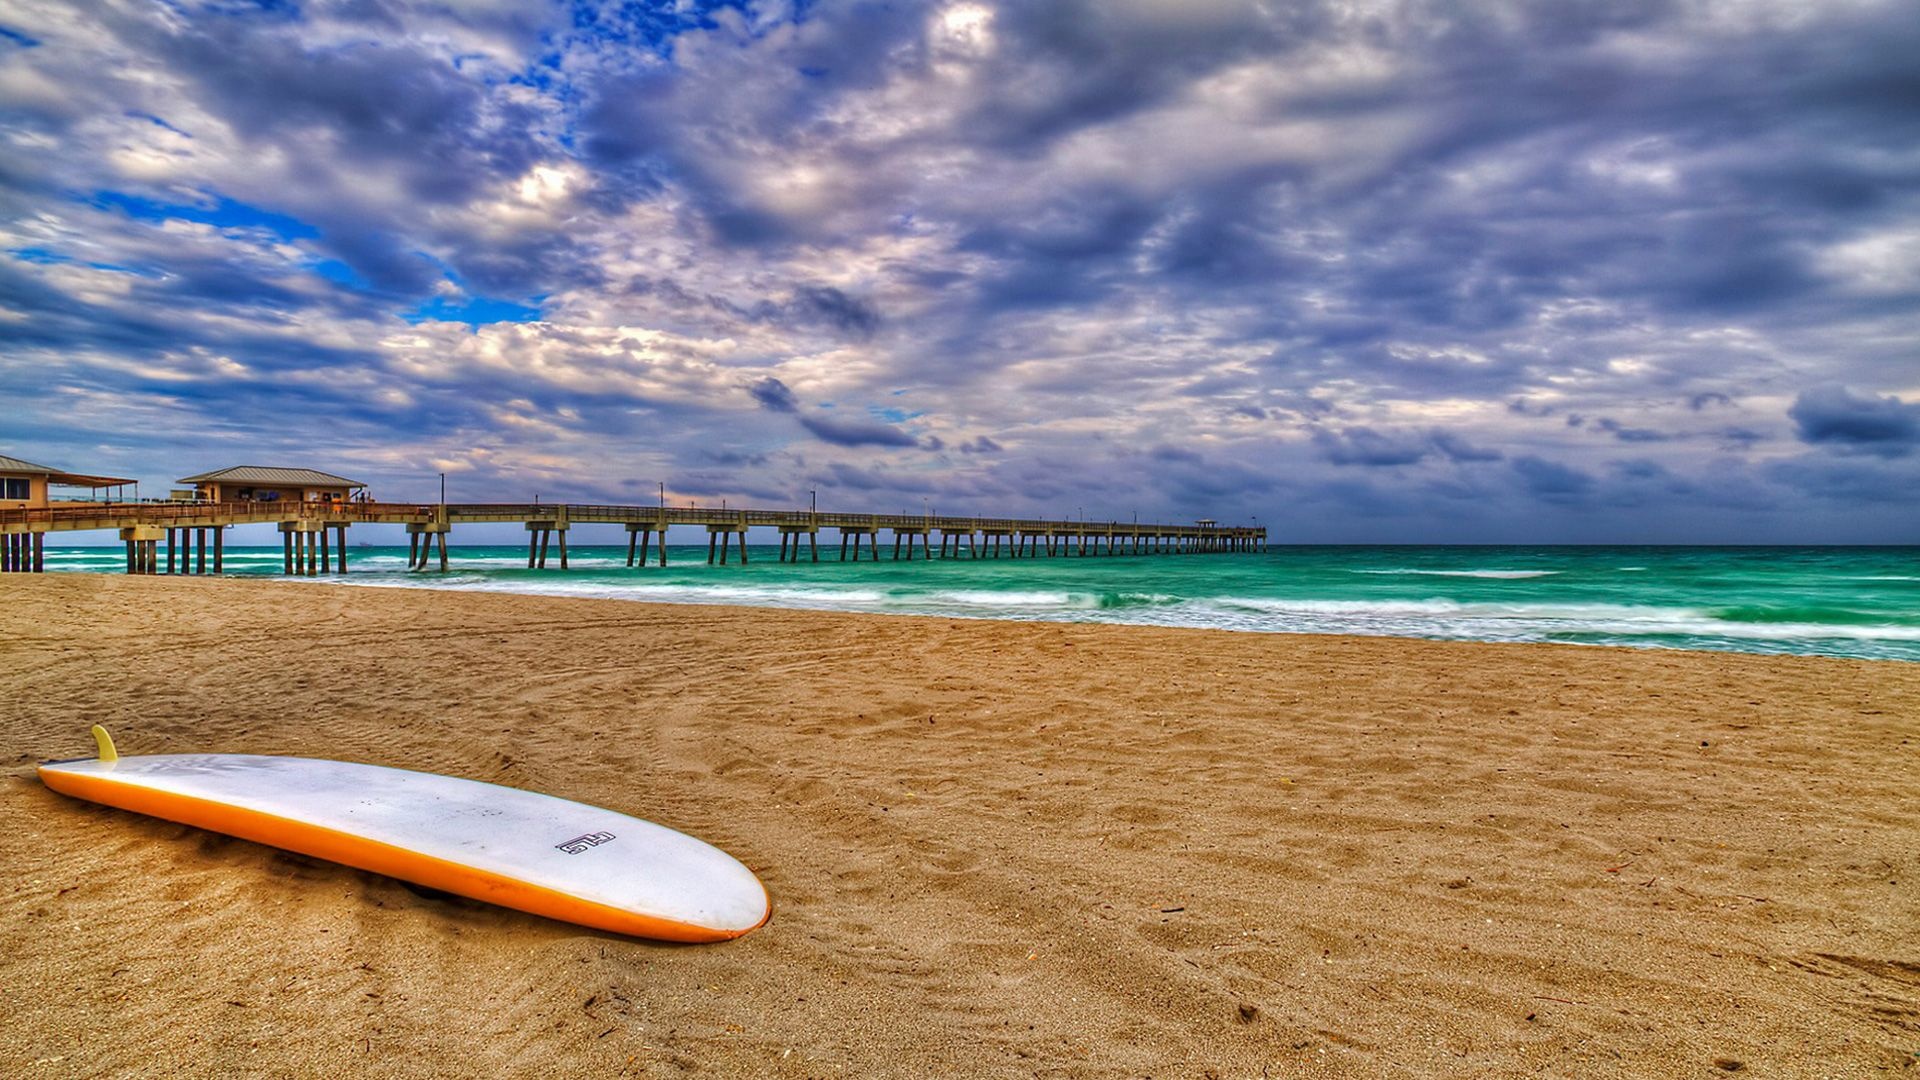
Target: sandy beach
995,849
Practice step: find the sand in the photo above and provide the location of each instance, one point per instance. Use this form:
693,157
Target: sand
995,849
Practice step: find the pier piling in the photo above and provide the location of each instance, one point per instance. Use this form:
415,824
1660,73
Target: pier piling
639,534
790,541
421,539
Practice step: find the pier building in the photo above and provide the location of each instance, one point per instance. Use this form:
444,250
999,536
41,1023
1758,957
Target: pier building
261,483
26,489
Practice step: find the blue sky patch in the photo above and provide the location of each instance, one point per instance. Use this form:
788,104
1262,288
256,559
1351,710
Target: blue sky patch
225,213
475,311
340,274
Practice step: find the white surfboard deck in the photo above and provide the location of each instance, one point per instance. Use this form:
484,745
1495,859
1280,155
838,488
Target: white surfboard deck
522,849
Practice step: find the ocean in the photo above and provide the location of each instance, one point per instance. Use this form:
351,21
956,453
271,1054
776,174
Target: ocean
1853,602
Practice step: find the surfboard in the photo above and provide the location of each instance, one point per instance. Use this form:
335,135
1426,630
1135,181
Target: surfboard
520,849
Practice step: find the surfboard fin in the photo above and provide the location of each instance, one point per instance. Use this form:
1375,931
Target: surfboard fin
105,742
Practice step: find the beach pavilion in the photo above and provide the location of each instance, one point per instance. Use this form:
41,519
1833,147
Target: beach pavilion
26,498
26,486
258,483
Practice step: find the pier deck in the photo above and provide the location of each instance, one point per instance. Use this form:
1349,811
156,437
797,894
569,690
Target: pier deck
314,533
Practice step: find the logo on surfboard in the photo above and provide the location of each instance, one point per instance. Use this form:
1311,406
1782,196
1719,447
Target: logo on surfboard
581,843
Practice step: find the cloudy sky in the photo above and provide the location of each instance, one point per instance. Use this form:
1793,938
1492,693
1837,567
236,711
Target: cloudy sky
1567,270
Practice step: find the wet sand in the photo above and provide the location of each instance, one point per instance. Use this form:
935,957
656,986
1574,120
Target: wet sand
995,849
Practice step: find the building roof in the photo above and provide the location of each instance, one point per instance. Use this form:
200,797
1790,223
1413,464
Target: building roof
262,474
14,464
60,476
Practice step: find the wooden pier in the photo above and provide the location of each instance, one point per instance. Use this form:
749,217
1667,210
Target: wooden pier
314,533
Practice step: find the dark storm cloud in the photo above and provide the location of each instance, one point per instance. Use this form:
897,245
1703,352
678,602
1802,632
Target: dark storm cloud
1367,447
844,312
1076,63
1834,415
1364,446
775,396
1188,481
856,432
1550,480
1457,448
1848,481
1628,434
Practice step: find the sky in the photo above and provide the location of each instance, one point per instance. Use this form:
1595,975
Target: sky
1610,271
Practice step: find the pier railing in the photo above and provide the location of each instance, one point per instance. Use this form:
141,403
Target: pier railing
207,514
314,534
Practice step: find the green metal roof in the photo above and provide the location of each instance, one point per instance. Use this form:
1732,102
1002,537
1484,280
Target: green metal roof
60,476
14,464
262,474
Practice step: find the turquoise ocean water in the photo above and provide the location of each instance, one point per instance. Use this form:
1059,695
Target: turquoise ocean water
1858,602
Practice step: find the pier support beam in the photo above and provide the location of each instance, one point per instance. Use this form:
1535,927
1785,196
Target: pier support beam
909,533
790,541
723,536
143,547
304,548
421,538
953,537
857,532
540,541
638,534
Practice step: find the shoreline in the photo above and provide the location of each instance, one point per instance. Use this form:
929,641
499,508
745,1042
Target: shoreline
1738,637
996,847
